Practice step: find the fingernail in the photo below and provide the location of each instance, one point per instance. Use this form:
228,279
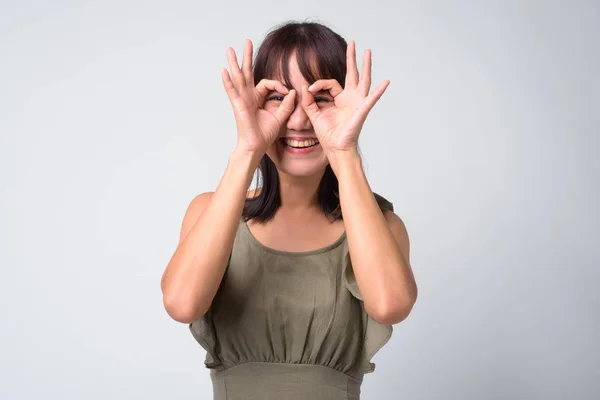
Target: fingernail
311,87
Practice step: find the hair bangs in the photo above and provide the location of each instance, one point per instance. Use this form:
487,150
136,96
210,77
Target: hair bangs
319,52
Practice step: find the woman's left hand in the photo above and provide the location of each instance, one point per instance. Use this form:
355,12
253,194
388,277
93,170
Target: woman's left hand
337,127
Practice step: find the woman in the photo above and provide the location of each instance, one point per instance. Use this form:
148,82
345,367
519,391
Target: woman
293,287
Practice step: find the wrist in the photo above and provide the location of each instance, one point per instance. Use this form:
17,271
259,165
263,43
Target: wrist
242,166
341,161
244,156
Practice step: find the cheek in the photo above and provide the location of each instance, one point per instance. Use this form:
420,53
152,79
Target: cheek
274,152
324,105
271,106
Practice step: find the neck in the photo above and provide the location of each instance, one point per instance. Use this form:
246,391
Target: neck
299,193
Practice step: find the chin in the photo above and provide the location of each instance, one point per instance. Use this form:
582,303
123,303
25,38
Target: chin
298,166
301,170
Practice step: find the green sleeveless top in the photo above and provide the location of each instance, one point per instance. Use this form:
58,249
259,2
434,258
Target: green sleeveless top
289,325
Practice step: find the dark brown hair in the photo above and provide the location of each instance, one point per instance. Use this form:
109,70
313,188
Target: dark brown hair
321,54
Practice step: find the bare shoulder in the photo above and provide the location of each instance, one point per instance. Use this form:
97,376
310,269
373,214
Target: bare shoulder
199,202
194,210
394,219
197,206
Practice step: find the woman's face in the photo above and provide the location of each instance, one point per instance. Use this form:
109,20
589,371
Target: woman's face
295,157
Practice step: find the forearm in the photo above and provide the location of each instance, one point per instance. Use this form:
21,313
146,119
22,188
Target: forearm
384,277
196,269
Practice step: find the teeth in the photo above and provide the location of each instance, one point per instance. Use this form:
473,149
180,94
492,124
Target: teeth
300,143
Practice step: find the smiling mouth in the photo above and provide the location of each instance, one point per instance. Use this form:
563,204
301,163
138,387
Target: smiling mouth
299,143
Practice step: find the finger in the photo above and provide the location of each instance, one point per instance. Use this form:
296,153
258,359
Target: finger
286,107
376,95
351,70
309,105
268,85
236,73
330,85
228,84
365,79
247,63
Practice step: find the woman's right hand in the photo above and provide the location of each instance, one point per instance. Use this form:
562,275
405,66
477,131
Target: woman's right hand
257,128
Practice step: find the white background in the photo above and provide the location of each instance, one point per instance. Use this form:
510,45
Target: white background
113,117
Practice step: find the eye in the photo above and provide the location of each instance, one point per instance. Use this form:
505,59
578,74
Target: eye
275,97
322,99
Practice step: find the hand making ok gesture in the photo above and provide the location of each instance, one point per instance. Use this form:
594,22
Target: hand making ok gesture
257,128
338,127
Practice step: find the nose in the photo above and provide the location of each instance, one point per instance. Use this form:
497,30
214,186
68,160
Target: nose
298,120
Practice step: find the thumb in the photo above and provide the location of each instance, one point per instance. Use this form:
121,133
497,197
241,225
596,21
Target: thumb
286,107
309,105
